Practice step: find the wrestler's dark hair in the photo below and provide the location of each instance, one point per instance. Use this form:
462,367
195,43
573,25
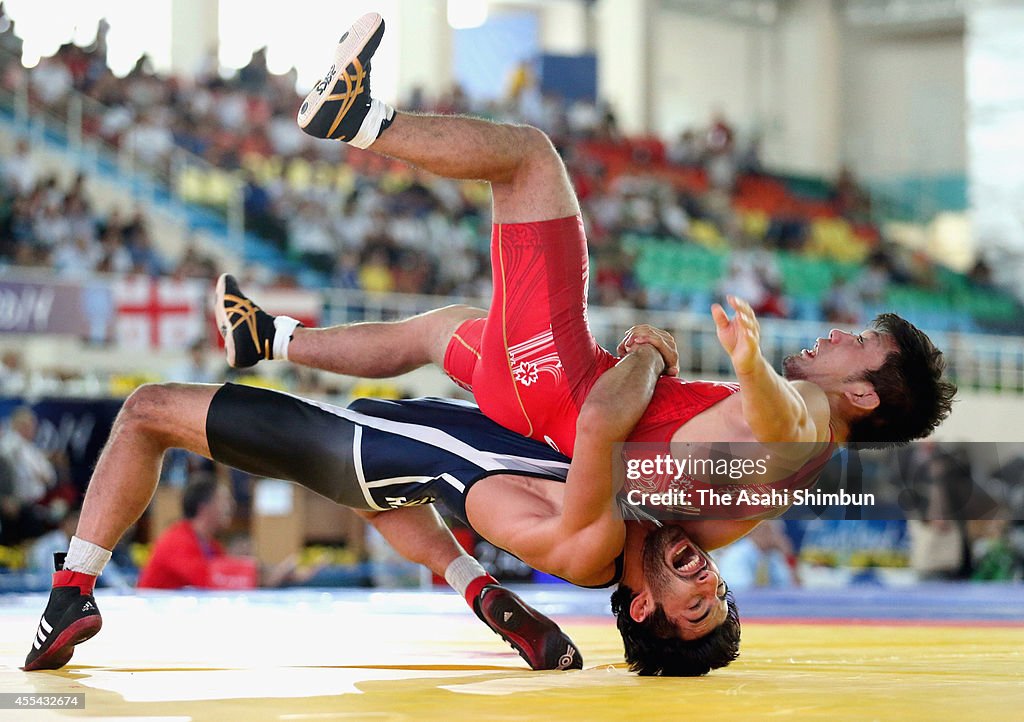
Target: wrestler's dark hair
199,491
653,647
913,395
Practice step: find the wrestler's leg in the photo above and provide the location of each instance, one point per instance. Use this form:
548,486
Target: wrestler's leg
341,107
538,262
260,430
153,419
158,417
380,350
538,639
536,328
434,546
528,179
528,183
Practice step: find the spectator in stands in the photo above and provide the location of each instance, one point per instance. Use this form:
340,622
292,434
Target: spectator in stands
742,279
26,476
615,282
149,141
996,558
196,368
346,271
876,279
196,264
309,238
720,156
9,41
51,81
687,150
253,76
14,378
939,543
842,304
18,170
375,275
749,159
261,215
763,558
720,135
34,473
76,257
980,274
787,230
18,520
851,200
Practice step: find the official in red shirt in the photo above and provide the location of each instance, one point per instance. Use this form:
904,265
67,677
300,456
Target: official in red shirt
185,554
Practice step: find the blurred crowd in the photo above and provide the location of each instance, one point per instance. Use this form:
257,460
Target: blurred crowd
46,225
368,224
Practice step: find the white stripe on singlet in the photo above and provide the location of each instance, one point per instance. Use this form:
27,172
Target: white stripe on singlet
427,435
454,482
398,480
550,463
357,460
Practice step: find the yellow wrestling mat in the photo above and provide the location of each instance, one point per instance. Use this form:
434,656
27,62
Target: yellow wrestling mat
423,656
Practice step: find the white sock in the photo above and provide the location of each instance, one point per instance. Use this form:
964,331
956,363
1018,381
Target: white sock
378,114
284,327
461,572
85,557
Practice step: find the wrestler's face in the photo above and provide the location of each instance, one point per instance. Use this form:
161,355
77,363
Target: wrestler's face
685,581
838,358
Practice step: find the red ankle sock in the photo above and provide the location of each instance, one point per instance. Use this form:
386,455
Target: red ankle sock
85,582
475,586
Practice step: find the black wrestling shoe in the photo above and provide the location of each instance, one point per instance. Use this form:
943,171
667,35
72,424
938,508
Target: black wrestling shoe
70,618
247,329
340,107
537,639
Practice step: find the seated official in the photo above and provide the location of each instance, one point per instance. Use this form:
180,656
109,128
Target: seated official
188,554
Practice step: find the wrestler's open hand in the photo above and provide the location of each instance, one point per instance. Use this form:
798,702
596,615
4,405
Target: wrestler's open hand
740,336
661,340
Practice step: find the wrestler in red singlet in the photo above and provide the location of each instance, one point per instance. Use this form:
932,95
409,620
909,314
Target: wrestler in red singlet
532,361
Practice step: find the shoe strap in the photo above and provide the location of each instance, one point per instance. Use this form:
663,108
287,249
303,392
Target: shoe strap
86,583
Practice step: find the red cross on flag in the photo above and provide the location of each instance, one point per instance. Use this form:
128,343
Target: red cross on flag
159,313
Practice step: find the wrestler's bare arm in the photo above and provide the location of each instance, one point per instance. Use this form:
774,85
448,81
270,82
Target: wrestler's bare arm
612,408
776,410
578,535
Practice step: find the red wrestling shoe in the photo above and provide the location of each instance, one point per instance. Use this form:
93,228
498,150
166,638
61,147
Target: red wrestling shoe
537,639
71,617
